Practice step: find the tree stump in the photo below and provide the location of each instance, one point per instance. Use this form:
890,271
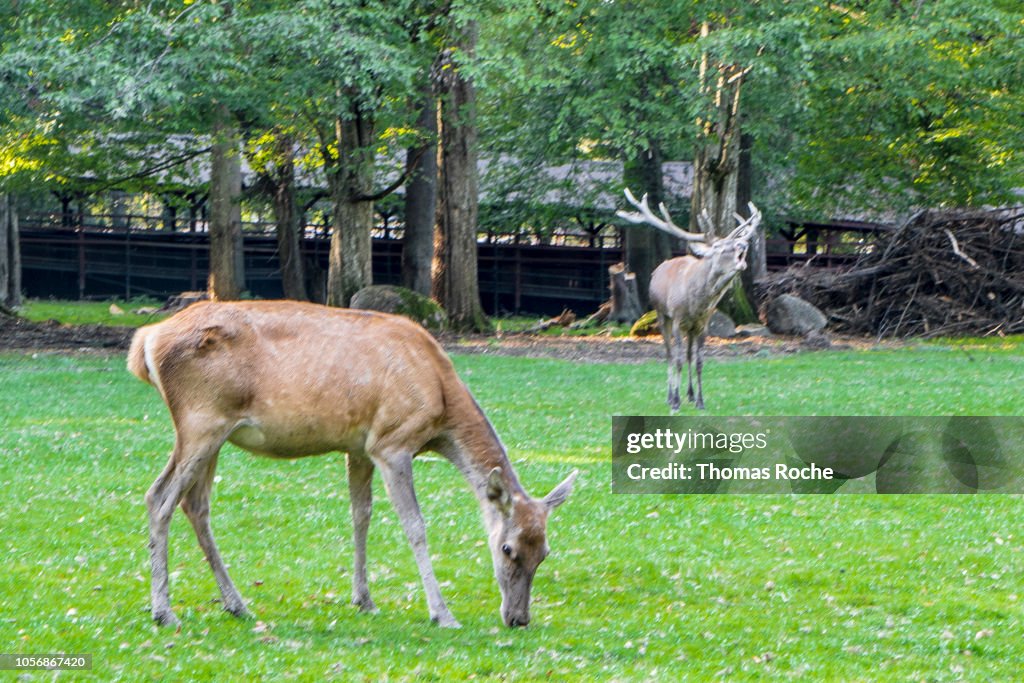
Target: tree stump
625,301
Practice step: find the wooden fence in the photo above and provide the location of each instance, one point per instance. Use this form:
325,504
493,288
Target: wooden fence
99,261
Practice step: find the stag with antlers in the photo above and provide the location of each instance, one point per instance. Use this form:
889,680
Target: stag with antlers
685,290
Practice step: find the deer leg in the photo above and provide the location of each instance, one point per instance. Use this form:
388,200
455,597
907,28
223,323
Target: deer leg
190,458
669,335
397,473
196,506
700,368
689,368
360,479
676,368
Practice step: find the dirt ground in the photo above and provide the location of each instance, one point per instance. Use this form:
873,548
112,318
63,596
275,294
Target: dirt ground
17,334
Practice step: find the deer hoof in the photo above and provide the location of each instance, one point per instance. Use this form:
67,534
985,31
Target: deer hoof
165,617
242,612
446,621
365,604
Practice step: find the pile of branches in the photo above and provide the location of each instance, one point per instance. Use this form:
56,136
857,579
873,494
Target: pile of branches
938,274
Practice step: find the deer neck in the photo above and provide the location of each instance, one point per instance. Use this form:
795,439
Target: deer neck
716,279
475,449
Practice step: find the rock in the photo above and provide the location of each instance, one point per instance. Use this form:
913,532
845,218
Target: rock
401,301
116,310
788,314
721,325
817,340
753,330
646,325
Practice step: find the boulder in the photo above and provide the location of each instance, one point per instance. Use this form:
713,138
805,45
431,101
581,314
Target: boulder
788,314
401,301
721,325
817,340
645,326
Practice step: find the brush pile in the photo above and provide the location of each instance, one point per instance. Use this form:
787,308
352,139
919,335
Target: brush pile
939,274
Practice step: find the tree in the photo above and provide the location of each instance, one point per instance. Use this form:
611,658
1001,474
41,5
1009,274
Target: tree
226,279
591,81
848,107
288,216
333,74
421,200
341,74
10,254
112,75
912,104
456,286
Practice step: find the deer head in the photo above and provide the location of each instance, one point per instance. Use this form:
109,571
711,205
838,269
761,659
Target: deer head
702,244
518,541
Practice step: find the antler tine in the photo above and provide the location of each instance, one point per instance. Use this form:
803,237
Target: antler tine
704,222
746,226
646,216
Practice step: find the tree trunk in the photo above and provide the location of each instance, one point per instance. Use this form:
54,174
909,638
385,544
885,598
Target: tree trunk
227,276
646,248
421,202
455,283
286,213
10,254
625,299
716,167
757,264
350,265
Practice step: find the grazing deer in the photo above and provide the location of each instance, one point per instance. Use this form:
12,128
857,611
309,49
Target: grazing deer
685,290
285,380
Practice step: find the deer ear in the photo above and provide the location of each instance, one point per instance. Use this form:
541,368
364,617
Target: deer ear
498,493
212,336
559,494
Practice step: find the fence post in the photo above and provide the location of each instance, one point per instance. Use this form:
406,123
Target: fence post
518,276
81,261
127,262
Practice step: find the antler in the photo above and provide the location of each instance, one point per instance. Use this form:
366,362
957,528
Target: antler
646,216
746,226
704,222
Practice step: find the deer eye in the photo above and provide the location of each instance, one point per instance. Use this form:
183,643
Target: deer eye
507,549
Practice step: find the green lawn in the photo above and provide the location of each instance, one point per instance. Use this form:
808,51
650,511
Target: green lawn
112,312
636,588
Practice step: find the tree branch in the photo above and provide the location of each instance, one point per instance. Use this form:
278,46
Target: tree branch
956,249
402,179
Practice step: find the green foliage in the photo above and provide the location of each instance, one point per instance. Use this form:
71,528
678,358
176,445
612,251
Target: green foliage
636,587
912,102
874,105
867,108
101,89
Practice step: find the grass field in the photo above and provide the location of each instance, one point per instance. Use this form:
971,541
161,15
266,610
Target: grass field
637,587
113,312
